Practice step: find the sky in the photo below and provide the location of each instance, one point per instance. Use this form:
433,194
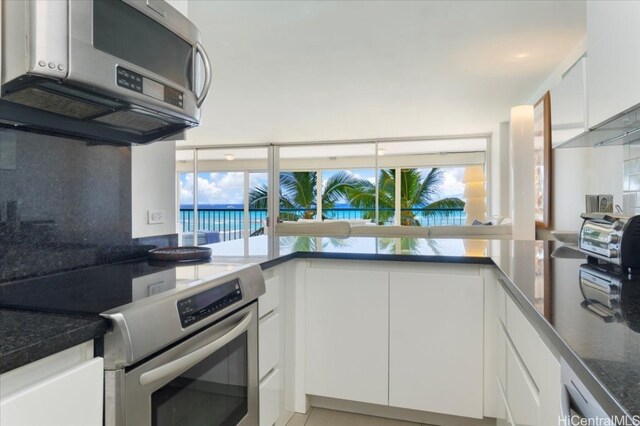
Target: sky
218,187
227,187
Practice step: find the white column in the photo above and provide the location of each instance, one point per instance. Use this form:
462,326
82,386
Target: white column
273,199
522,173
246,228
319,194
398,197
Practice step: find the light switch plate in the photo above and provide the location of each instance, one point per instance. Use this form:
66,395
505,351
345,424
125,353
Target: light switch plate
155,217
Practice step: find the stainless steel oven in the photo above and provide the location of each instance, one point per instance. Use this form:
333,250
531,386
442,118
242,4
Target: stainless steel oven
189,357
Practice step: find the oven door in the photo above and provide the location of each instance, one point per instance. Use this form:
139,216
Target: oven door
209,379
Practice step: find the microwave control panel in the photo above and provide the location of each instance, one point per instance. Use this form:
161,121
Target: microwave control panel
138,83
208,302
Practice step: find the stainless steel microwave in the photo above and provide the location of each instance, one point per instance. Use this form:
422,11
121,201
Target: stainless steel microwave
115,71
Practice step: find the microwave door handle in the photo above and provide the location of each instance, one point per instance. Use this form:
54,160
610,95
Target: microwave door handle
179,365
207,75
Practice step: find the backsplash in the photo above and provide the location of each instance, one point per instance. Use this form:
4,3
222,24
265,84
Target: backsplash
631,200
64,204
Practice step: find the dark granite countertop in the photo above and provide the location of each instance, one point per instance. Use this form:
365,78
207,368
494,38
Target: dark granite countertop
603,351
26,336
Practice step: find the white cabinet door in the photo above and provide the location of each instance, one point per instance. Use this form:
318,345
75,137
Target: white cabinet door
436,343
569,105
540,363
522,393
347,334
268,344
270,398
70,398
270,300
613,66
503,416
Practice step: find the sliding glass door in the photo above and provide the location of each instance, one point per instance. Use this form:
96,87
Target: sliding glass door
228,200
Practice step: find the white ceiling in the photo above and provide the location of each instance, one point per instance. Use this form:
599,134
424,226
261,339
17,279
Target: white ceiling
327,70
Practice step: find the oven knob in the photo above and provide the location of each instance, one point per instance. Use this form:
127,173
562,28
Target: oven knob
618,225
613,239
61,67
52,65
42,64
613,253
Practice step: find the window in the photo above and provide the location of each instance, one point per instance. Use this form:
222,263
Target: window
330,181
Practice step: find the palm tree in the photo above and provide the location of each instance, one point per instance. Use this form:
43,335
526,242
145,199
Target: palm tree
298,193
415,193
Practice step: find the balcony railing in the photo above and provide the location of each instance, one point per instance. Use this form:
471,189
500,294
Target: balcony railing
230,222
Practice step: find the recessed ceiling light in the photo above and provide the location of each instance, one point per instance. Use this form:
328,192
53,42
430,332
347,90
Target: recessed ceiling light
229,157
381,152
522,55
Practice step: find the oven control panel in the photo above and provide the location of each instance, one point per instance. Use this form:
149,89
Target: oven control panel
138,83
208,302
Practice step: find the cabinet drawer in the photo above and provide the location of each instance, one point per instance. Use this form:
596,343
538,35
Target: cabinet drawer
271,298
527,342
269,343
501,353
503,417
501,303
71,397
522,393
270,394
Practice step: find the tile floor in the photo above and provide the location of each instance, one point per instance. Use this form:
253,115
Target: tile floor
324,417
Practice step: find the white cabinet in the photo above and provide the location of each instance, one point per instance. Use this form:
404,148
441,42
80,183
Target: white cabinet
569,105
436,343
270,398
522,392
269,338
542,365
51,395
347,333
613,67
272,358
528,374
503,415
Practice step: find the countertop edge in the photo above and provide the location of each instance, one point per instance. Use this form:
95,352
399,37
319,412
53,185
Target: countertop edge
599,391
52,345
546,330
60,342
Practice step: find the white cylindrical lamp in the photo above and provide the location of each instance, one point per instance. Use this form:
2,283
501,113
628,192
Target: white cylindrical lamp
475,205
522,173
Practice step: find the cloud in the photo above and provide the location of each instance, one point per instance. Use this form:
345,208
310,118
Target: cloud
218,187
186,188
258,179
452,185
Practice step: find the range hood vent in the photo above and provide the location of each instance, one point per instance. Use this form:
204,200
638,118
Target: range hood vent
620,129
45,106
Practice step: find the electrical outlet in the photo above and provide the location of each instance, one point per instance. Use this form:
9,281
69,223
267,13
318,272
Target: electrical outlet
155,217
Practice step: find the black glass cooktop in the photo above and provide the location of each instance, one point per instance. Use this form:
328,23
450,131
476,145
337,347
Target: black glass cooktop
94,290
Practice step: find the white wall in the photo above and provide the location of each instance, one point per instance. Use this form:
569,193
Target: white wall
556,76
153,179
498,172
153,187
579,171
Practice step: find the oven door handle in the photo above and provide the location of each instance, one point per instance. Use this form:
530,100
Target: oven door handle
179,365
